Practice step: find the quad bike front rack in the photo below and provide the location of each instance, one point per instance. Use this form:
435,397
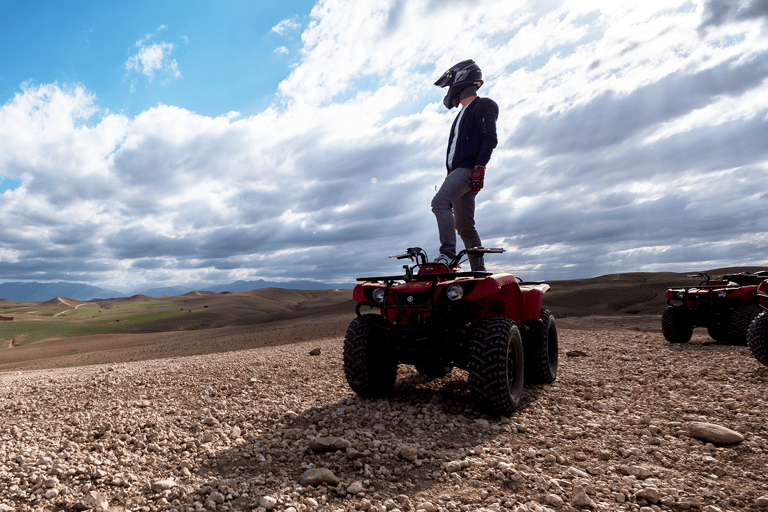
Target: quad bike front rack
429,306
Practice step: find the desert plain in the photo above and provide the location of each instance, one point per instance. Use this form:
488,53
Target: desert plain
238,402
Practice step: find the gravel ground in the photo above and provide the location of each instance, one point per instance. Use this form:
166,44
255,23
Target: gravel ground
246,430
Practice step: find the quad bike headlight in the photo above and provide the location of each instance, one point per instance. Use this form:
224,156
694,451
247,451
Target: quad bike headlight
454,291
680,295
378,295
722,293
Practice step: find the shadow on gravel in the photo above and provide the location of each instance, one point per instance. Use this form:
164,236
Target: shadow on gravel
397,446
708,346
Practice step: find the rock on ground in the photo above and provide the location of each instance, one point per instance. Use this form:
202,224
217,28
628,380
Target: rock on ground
237,430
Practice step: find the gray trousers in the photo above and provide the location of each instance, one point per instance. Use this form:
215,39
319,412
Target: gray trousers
454,208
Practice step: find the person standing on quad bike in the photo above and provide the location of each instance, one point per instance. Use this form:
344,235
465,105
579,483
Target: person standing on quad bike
470,144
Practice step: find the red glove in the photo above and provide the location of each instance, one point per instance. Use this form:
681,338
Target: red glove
476,179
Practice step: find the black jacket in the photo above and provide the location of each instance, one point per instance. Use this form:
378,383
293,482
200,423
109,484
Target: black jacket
477,134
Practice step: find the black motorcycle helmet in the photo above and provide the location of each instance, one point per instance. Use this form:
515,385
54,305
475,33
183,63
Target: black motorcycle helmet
460,76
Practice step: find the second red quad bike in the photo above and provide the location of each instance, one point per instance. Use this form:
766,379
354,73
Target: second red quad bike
437,318
757,336
725,307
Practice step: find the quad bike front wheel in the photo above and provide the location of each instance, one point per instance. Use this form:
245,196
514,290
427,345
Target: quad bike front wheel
741,318
757,338
369,367
541,350
676,324
495,364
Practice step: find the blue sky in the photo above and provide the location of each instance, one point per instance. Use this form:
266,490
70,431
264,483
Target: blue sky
184,143
224,52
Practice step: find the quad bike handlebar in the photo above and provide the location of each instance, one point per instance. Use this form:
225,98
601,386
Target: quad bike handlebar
412,253
703,275
416,253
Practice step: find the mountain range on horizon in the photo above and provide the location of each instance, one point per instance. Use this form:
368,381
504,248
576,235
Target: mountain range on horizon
42,292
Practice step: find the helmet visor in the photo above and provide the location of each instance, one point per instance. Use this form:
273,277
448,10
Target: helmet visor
445,79
449,77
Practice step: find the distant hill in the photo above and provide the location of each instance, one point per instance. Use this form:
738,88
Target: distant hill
243,286
43,292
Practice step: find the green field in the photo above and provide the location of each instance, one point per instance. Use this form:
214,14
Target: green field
34,322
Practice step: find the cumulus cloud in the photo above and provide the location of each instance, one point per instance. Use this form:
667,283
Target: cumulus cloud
152,59
628,142
720,12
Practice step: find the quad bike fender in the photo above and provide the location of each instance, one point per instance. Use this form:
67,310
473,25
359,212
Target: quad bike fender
533,298
529,297
504,295
358,294
748,293
485,288
762,295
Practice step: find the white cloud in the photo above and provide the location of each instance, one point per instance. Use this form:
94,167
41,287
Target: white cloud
282,50
286,25
152,59
628,140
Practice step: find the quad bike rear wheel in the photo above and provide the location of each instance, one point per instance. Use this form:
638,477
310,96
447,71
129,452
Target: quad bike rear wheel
757,338
369,367
496,368
541,350
676,324
741,318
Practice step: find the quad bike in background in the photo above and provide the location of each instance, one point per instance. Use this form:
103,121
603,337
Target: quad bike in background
436,317
725,307
757,336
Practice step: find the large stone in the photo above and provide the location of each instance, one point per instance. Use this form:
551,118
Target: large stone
328,444
163,485
649,494
409,452
216,497
355,487
636,471
554,500
580,498
452,466
268,502
319,477
715,434
93,501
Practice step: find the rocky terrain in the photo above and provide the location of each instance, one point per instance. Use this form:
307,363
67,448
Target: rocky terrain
277,428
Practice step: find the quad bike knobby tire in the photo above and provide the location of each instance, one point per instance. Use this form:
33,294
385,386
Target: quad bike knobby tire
757,338
741,318
541,351
369,367
719,332
496,368
676,324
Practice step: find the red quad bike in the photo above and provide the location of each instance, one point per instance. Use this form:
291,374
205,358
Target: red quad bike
436,317
757,336
725,307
